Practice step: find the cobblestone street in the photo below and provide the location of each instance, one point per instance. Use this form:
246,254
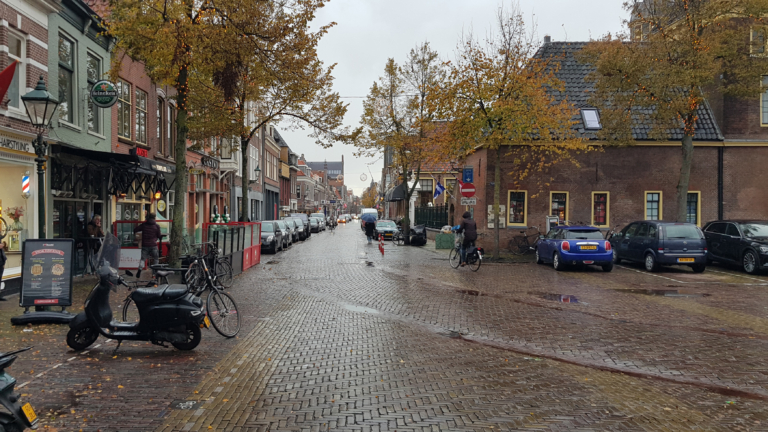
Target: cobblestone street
338,337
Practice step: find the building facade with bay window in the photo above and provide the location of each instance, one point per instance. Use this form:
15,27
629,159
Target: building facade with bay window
23,39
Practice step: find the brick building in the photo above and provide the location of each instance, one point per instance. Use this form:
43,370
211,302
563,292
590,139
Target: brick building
24,38
617,185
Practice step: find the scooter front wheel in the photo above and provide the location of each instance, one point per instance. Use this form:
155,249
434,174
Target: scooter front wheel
82,337
194,335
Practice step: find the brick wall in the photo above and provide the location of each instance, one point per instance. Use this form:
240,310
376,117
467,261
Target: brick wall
741,119
134,73
627,173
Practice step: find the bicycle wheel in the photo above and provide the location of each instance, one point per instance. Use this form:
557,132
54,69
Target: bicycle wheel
130,311
222,311
474,264
3,228
195,278
223,272
518,245
454,257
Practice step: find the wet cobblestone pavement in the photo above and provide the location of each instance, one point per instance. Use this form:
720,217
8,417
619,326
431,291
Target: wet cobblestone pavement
338,337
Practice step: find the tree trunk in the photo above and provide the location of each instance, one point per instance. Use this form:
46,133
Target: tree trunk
180,187
685,177
245,177
496,199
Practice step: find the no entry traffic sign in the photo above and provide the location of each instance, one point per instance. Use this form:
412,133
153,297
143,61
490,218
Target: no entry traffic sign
467,190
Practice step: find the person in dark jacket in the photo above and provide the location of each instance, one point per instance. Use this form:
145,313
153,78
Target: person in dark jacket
150,234
370,228
3,259
469,228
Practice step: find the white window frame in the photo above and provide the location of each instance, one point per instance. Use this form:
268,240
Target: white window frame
21,68
73,80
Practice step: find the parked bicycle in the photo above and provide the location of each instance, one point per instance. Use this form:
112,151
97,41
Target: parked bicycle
525,243
398,238
221,307
222,269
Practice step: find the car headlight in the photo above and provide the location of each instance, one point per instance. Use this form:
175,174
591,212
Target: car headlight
764,249
270,238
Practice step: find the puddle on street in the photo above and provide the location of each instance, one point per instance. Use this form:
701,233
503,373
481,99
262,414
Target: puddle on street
665,292
561,298
471,292
360,309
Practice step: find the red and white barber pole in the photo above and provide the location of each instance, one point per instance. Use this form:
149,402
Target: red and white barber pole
381,243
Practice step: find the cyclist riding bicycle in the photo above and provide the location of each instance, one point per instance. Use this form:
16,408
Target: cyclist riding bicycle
469,228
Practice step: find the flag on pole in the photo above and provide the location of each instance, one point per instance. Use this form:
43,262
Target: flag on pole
6,77
439,189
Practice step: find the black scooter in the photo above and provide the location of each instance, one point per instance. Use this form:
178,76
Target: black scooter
169,313
19,417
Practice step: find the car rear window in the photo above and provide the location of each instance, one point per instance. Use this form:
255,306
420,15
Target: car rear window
754,229
267,227
583,234
682,232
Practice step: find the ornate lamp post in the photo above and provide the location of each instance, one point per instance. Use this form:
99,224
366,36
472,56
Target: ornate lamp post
41,107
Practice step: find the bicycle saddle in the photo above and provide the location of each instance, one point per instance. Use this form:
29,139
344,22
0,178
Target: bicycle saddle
163,273
166,292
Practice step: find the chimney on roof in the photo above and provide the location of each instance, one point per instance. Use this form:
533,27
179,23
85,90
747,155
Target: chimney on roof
547,39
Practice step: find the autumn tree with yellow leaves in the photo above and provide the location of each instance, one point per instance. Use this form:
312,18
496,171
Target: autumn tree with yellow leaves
370,195
226,59
501,97
397,118
674,52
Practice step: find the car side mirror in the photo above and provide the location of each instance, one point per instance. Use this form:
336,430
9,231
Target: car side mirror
541,237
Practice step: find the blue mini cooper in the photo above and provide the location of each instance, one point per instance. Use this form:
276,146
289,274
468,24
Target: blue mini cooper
567,246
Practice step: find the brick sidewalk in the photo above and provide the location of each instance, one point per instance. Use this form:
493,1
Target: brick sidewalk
338,337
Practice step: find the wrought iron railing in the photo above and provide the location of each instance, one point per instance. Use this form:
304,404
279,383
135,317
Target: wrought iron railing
432,217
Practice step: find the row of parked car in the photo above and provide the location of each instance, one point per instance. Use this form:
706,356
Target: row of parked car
280,234
657,243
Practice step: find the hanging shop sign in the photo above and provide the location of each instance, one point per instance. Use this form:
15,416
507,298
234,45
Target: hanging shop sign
161,206
196,171
46,278
104,94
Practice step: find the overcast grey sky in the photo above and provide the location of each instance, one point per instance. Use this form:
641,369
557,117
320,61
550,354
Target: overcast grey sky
368,32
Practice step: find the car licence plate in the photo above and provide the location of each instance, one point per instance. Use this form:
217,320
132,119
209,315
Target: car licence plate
686,260
29,412
207,322
588,247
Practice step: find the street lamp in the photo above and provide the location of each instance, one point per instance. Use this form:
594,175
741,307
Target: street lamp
40,106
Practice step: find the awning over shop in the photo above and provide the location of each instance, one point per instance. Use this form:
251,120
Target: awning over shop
126,171
396,193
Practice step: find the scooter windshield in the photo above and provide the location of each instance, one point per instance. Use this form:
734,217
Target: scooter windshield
109,256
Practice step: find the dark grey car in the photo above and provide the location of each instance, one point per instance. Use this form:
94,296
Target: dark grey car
271,237
314,225
296,226
655,243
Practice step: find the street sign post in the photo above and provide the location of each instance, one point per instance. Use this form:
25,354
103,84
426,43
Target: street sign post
468,201
467,190
468,175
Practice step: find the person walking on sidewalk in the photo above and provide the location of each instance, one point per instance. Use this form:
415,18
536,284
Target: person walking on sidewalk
150,234
370,227
469,228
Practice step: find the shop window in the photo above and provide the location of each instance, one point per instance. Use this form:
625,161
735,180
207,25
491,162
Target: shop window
161,141
653,209
693,208
93,67
559,206
17,51
124,109
66,79
141,116
518,201
600,201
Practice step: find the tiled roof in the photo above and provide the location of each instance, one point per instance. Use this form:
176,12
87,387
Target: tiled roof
573,73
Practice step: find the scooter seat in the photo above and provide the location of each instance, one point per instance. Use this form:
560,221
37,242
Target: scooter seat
166,292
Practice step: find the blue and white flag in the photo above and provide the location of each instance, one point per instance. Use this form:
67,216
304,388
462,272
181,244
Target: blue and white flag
439,189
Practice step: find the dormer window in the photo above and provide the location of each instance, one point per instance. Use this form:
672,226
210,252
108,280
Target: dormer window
591,119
